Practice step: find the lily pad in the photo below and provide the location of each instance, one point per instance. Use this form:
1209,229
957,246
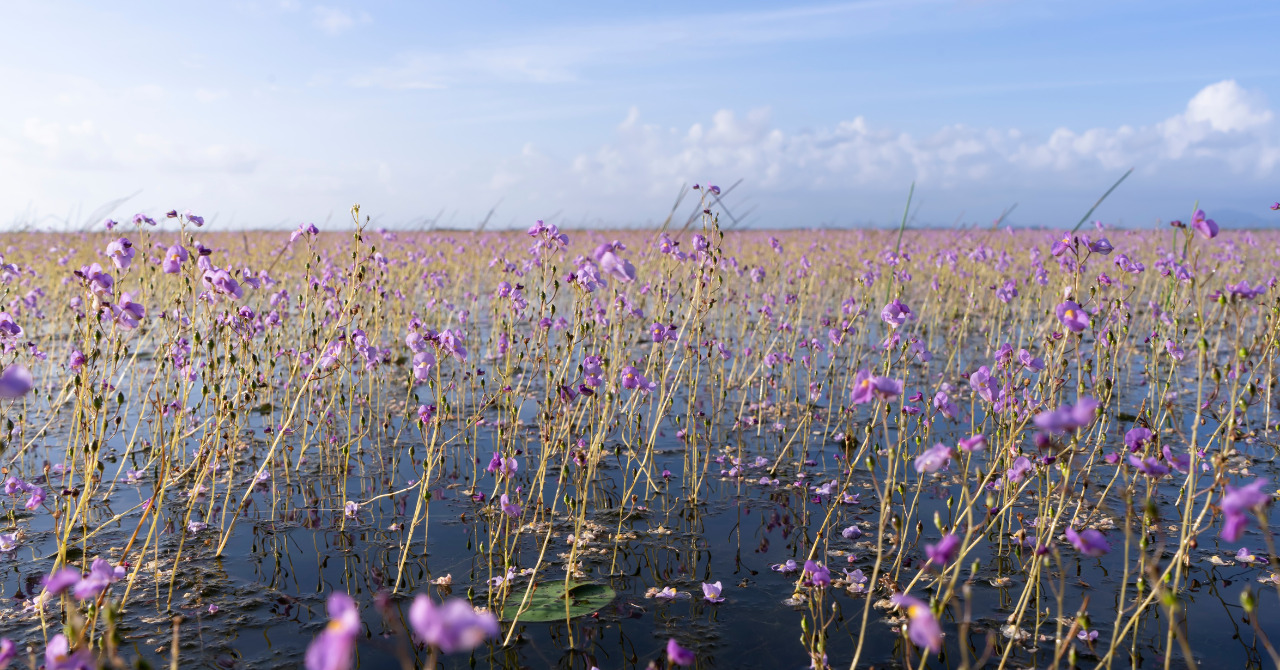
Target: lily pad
547,602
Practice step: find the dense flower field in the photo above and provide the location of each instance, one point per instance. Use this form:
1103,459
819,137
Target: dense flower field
686,447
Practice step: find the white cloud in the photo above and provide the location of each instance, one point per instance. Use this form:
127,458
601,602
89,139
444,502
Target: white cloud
564,53
207,95
1227,108
336,21
1224,130
84,146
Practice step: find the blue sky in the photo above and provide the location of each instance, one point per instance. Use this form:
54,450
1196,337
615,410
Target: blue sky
276,112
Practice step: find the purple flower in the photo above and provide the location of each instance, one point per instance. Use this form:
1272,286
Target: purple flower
423,363
1174,350
1032,363
1016,472
351,509
509,508
1179,462
1136,437
818,574
867,388
121,253
61,580
1132,267
1148,466
857,580
944,551
711,592
1246,556
1061,245
99,282
634,379
592,372
610,264
679,655
1207,228
1067,417
934,459
1088,542
451,626
15,382
37,497
451,341
1101,246
895,313
973,443
1073,316
983,384
58,656
126,313
333,648
942,403
1236,502
851,533
9,327
174,257
220,282
789,566
101,575
303,229
922,626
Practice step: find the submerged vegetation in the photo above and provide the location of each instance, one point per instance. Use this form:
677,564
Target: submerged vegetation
936,448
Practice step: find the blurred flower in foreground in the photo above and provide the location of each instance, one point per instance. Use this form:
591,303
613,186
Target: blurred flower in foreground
333,647
451,626
922,626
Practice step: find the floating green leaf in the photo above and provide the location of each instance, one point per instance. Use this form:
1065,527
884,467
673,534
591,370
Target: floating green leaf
547,602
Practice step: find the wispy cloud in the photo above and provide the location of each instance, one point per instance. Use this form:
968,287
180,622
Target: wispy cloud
335,21
568,52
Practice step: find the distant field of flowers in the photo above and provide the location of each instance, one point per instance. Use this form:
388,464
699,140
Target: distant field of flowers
630,449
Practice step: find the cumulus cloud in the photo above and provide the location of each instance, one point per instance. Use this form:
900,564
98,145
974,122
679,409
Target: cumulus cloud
1224,129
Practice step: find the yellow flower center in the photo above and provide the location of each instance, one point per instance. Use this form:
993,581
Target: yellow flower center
1070,314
